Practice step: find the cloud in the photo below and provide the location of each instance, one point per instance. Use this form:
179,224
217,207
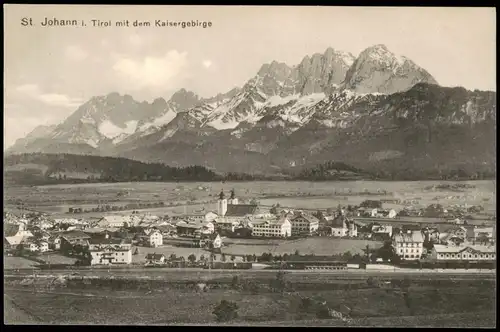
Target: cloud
135,40
52,99
207,63
76,53
29,89
153,71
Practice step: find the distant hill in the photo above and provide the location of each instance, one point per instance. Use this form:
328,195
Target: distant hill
41,168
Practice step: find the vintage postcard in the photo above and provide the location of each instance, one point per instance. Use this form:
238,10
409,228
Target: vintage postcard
250,166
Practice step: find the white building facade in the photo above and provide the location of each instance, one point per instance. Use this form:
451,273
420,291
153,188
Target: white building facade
409,246
155,239
110,252
272,228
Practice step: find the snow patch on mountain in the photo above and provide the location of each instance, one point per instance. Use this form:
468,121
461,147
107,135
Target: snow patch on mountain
162,120
110,130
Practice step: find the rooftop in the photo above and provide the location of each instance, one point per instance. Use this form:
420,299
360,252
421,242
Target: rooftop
154,256
74,235
240,210
10,229
414,236
110,241
440,248
308,217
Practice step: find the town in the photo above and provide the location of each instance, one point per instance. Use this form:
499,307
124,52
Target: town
115,240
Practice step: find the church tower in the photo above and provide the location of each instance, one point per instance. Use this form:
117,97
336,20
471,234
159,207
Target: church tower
222,204
233,199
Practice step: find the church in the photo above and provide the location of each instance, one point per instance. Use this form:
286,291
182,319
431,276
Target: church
232,215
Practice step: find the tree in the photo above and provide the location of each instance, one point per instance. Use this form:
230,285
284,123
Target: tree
192,258
371,282
202,258
172,257
232,258
225,311
253,201
279,284
223,257
322,312
136,252
235,282
297,253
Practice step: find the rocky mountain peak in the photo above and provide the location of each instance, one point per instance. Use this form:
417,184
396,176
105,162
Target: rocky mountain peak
185,99
378,70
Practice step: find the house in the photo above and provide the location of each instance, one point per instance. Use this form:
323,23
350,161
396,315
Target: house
43,246
155,258
362,212
110,251
409,246
382,232
224,225
304,224
352,228
458,231
31,246
483,234
278,227
73,238
12,242
20,229
113,221
337,226
54,242
431,234
466,253
211,216
155,239
211,241
188,229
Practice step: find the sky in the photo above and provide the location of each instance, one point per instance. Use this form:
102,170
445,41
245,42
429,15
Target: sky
50,71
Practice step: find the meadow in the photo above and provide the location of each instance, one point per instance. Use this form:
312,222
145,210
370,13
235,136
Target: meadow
424,306
318,246
297,194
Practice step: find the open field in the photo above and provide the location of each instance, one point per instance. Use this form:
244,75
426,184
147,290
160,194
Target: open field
154,306
308,195
17,263
317,246
326,276
56,258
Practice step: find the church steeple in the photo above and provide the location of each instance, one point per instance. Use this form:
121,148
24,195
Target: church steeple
222,204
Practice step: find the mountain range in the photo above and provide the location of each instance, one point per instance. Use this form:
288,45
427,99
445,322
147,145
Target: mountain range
379,111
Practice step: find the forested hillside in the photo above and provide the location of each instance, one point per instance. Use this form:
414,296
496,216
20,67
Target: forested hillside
36,168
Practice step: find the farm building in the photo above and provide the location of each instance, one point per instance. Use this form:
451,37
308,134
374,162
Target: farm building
304,224
155,258
279,227
113,221
73,238
110,251
464,253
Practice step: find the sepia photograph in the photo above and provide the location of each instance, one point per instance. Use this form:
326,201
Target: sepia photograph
249,166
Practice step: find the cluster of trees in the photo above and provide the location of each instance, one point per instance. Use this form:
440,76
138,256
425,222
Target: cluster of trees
107,207
111,169
329,170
